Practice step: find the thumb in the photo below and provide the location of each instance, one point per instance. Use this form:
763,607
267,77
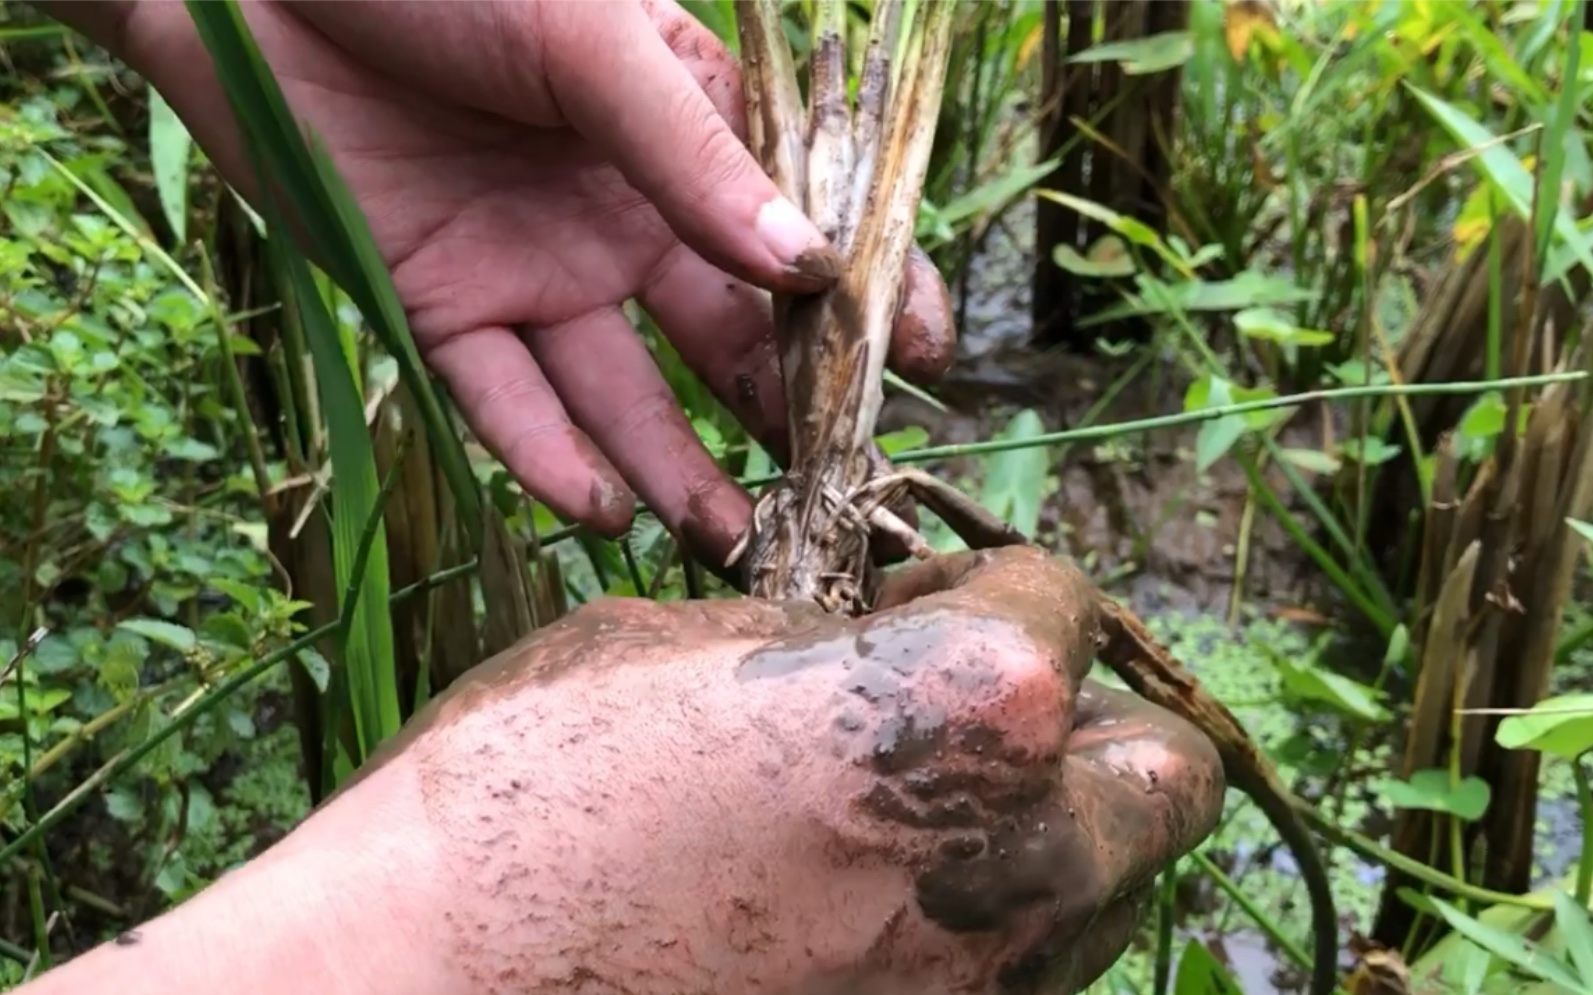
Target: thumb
1045,597
621,85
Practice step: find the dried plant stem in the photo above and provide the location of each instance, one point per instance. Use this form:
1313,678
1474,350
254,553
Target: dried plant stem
860,177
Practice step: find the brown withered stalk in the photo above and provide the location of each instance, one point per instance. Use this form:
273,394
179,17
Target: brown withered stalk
859,173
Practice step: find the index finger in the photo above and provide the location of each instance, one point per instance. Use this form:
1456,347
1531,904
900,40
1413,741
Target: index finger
1046,597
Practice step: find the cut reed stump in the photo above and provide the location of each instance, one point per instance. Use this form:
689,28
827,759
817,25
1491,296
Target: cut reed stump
1447,341
1496,560
859,172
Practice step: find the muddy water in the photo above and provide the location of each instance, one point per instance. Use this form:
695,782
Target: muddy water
1132,510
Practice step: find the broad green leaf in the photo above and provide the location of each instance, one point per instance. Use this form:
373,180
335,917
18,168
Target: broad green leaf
178,637
247,596
53,655
932,229
995,194
1138,232
123,804
192,450
1199,973
1135,231
1313,460
1248,289
173,877
911,437
1371,450
20,387
316,666
1015,479
1356,372
1218,435
41,701
170,148
124,655
1470,964
709,435
1274,326
622,587
1561,726
760,464
1576,931
1215,439
1089,208
1107,257
1398,645
1314,683
1509,947
718,16
226,630
1139,56
1431,790
1485,418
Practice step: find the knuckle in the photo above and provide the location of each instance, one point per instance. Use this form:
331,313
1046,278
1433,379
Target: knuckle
641,410
703,485
721,160
514,389
520,450
1014,687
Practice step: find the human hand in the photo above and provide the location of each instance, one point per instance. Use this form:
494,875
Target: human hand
729,796
526,167
754,796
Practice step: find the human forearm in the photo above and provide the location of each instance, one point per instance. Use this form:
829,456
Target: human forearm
321,912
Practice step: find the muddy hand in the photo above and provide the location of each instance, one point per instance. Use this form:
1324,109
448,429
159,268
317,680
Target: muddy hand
749,796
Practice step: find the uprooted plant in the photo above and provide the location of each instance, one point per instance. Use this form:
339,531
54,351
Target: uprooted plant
859,173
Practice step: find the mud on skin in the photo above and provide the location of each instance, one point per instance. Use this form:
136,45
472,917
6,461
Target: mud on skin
925,800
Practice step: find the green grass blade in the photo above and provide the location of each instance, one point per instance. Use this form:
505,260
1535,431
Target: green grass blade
1504,170
367,643
313,193
169,150
1561,119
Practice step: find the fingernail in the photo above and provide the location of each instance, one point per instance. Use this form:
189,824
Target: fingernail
797,243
